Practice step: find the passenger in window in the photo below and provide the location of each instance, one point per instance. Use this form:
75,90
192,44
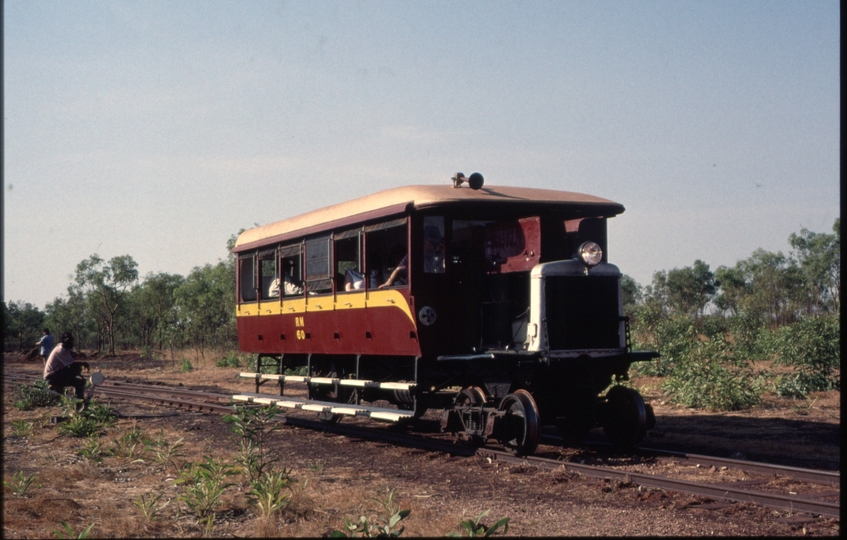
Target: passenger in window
433,250
353,280
289,287
400,273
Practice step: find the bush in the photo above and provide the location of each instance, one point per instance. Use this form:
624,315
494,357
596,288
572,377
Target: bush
812,347
186,366
229,360
709,377
30,396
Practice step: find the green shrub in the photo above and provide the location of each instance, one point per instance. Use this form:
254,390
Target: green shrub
80,426
812,347
384,527
253,425
186,366
710,378
271,492
31,396
204,484
233,359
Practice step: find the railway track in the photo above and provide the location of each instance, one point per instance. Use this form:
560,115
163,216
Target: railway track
820,489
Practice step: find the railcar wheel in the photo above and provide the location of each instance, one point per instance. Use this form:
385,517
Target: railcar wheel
626,418
471,397
521,428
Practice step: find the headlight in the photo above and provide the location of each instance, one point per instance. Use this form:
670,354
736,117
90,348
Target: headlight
590,253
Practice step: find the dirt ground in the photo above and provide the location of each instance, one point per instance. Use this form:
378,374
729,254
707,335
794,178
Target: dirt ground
336,477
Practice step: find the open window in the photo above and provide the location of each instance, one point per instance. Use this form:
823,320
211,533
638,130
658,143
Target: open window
268,276
349,273
387,249
291,270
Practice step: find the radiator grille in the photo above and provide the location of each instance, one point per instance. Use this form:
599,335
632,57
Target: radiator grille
582,312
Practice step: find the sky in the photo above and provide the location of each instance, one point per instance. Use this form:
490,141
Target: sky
159,129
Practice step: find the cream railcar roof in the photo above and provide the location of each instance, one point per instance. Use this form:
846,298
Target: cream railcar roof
418,196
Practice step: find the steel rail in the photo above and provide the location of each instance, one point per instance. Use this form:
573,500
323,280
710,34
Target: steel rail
796,503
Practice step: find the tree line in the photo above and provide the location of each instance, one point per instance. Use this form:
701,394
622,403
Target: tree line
110,308
757,309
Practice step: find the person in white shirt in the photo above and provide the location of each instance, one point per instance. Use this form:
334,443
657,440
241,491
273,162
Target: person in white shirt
61,370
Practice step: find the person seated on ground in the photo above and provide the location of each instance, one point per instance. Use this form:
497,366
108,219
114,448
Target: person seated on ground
61,370
353,280
289,287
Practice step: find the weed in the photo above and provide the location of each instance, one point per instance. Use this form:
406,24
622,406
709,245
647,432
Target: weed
30,396
80,426
253,426
474,527
317,466
186,366
392,515
92,450
126,445
271,492
102,414
20,483
148,506
165,453
70,532
204,484
21,428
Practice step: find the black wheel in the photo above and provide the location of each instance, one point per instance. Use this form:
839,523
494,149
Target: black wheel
473,396
521,428
626,419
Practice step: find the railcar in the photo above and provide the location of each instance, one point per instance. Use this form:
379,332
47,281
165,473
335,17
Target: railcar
496,305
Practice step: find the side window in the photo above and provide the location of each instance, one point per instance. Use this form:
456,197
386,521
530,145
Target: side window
291,270
318,271
348,264
270,281
247,277
387,254
433,245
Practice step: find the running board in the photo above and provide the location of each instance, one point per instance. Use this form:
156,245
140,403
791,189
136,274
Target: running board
349,409
261,377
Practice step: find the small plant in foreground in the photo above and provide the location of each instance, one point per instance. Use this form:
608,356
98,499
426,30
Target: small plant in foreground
204,484
165,453
271,492
70,532
317,465
22,428
30,396
186,366
364,528
253,426
20,483
126,445
148,506
473,527
80,426
92,450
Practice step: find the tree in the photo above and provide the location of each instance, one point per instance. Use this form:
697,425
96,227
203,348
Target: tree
205,303
819,258
685,290
22,325
153,308
106,286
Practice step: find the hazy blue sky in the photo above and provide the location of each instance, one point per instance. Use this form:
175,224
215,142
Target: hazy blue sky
159,129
